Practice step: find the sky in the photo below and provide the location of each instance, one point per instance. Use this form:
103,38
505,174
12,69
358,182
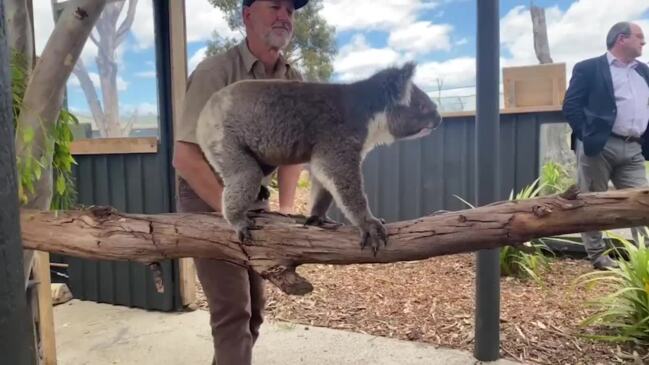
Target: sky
440,35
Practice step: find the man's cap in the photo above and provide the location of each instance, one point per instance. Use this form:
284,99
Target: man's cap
296,3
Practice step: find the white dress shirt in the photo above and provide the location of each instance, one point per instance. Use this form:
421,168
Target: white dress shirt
631,97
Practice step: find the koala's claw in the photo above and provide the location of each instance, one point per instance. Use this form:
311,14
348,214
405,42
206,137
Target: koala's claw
244,235
374,234
319,221
243,231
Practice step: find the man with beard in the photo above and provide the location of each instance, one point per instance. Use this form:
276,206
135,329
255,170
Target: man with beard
235,294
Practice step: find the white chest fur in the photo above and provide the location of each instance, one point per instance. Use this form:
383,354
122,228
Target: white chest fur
378,133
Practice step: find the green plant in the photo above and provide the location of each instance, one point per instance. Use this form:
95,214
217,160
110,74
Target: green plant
64,193
625,311
555,178
30,169
532,258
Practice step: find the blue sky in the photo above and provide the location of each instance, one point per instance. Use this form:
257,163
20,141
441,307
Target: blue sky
439,34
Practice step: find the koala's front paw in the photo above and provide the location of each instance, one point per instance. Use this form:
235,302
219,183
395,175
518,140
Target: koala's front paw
373,233
319,221
243,230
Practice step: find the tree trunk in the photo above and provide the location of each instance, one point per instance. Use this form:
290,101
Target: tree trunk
19,30
90,92
281,244
540,29
107,67
44,94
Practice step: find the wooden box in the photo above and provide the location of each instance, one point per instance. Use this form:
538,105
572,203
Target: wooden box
531,86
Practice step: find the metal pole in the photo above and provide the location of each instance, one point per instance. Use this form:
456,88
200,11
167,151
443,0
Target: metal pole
487,314
16,335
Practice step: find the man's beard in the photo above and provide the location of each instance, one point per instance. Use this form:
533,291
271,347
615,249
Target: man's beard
278,39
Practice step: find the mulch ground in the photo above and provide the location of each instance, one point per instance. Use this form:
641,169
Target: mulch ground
432,301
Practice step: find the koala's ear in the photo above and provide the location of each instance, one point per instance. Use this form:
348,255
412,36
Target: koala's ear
408,71
399,81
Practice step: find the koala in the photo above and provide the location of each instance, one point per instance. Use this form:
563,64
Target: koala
250,127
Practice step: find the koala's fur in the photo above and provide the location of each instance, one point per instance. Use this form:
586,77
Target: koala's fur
250,127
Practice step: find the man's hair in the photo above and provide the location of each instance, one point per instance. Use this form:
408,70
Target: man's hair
621,28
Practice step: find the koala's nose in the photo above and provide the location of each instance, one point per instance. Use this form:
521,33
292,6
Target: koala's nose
438,119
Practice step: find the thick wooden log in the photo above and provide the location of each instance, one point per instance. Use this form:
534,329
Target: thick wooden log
281,243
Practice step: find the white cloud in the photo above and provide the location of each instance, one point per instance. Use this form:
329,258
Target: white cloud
357,59
203,19
195,59
573,35
452,73
421,37
122,85
372,14
140,109
143,28
146,74
43,24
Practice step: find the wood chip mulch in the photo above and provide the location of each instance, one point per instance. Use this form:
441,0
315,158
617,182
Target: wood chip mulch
432,301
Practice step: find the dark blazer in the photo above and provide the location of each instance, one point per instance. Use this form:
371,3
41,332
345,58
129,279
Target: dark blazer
589,104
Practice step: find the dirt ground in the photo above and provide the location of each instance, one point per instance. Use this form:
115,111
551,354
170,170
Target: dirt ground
433,301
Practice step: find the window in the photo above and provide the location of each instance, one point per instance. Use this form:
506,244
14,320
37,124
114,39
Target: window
113,88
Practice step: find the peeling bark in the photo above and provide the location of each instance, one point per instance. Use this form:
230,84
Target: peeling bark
281,243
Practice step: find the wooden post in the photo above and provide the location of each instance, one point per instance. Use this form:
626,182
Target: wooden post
45,311
178,83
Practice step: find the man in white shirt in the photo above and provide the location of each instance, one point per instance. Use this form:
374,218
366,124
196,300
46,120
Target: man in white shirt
607,107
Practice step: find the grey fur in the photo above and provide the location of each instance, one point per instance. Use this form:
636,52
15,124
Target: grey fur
250,127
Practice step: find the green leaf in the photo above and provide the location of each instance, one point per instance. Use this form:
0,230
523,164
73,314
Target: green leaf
60,184
28,135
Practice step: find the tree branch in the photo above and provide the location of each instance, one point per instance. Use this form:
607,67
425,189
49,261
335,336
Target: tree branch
44,93
540,32
126,24
281,243
94,40
19,31
89,90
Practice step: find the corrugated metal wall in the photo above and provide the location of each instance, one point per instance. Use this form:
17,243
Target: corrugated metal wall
133,183
414,178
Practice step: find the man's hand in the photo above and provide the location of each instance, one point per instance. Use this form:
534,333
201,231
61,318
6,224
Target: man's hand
575,98
191,165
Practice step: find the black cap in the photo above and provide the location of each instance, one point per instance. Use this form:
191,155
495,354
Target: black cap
296,3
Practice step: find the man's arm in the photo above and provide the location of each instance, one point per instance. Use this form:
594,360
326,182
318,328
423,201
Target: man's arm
288,175
575,99
191,165
287,178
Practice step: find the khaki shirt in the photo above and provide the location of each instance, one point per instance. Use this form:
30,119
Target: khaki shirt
216,72
212,74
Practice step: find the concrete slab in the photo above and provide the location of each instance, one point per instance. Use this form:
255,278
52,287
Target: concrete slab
97,334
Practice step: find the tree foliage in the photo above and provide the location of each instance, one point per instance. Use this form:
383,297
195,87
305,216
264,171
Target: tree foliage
313,45
29,170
